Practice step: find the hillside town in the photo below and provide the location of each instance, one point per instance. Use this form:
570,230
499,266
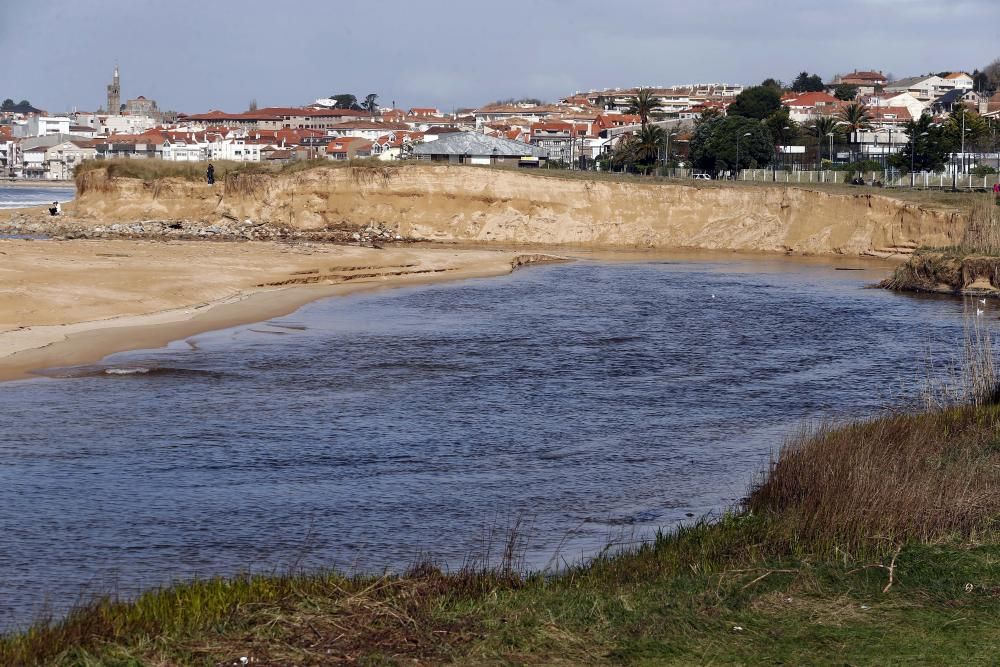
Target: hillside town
863,117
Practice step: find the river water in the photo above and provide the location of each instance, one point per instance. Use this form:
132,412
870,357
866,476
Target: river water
597,400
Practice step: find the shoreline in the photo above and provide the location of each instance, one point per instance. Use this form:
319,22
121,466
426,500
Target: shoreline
26,351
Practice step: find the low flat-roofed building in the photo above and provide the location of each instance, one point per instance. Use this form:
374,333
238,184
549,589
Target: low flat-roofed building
476,148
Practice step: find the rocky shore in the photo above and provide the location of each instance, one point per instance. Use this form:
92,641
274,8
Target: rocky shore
31,223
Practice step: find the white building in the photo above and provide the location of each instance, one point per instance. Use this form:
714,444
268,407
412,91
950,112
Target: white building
126,124
236,149
181,150
40,126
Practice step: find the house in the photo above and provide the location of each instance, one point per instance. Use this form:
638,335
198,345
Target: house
608,121
10,156
866,82
33,163
953,99
423,112
141,106
348,148
394,145
62,159
494,113
476,148
434,132
804,107
931,87
885,99
366,129
559,139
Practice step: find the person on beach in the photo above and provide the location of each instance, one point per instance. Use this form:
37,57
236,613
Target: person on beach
55,209
210,174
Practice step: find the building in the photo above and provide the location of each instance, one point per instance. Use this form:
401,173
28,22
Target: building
348,148
140,106
560,140
366,129
803,107
476,148
867,83
62,159
41,126
929,88
115,94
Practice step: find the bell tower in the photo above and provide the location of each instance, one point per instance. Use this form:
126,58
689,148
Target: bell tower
114,95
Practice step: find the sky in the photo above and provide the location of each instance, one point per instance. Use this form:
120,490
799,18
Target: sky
194,56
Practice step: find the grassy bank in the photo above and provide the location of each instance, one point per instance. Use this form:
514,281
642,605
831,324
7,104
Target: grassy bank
971,267
874,542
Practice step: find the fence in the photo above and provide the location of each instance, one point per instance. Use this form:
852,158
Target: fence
888,179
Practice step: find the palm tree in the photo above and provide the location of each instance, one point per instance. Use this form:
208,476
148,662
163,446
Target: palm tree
856,117
645,147
643,103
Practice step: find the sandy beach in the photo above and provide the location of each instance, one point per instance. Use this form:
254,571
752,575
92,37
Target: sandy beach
73,302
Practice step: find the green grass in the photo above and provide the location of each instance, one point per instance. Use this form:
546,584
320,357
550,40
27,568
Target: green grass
799,575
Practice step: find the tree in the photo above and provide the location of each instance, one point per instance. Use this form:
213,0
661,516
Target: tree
992,72
807,83
346,101
370,104
757,102
845,92
7,104
783,129
707,115
253,105
714,144
647,145
773,83
926,147
855,117
24,103
977,130
642,104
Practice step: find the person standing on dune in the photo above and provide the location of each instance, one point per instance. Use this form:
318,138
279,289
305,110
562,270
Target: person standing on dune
210,174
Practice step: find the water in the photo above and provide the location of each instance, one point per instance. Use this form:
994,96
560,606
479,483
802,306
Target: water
18,196
600,400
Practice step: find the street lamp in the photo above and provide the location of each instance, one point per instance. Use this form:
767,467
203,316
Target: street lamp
745,134
666,153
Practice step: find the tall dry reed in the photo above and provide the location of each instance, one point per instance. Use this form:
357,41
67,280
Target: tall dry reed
982,228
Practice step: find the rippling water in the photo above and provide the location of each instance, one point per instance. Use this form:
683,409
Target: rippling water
595,398
25,195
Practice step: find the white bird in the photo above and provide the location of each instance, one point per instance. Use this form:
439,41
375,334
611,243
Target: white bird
978,312
982,301
713,296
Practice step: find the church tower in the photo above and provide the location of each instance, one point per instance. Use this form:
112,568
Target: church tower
114,95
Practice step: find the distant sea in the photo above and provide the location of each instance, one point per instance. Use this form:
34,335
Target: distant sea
18,196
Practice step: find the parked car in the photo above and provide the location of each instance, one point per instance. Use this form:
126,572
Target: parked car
701,177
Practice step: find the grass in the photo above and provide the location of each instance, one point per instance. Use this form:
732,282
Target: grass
869,542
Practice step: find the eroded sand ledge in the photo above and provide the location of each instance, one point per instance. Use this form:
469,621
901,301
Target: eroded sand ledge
464,204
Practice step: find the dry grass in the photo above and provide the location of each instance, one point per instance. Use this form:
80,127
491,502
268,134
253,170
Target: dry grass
982,229
868,487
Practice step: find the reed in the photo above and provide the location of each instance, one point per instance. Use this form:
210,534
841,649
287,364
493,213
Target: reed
982,228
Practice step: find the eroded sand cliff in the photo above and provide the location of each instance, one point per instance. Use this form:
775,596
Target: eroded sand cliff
467,204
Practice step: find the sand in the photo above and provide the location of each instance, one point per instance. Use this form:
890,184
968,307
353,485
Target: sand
74,302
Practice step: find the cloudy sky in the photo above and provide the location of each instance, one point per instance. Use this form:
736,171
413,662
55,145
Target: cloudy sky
192,55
